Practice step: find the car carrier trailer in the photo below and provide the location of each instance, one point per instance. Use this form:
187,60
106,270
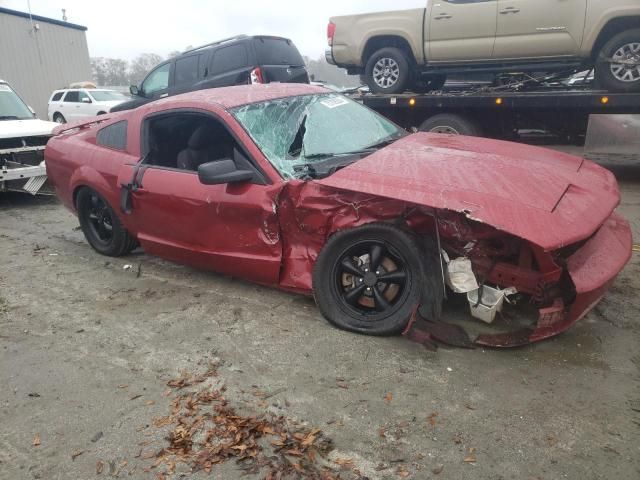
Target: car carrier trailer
508,114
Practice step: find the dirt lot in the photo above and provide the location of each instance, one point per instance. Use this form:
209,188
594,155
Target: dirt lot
87,347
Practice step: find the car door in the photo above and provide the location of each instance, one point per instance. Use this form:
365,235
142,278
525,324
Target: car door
230,228
85,107
187,74
71,105
229,66
539,28
156,84
460,30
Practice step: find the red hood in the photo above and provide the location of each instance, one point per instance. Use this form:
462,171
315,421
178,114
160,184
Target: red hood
549,198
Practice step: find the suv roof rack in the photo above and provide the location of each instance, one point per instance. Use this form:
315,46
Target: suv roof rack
213,44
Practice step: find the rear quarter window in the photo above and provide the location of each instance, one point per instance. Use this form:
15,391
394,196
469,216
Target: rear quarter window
57,96
277,51
228,59
114,136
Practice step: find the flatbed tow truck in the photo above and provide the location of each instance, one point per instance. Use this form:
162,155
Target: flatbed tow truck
519,111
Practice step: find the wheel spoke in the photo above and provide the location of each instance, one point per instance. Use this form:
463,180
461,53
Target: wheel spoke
102,232
352,296
375,257
397,276
380,301
349,267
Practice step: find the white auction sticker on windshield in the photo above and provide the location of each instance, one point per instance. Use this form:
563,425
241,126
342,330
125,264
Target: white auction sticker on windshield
334,102
4,88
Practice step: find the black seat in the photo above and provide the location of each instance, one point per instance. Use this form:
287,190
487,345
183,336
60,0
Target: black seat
204,145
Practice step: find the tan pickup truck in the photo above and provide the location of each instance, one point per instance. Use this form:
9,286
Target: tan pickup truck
416,49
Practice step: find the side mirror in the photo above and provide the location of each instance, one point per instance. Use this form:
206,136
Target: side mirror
134,90
86,100
223,171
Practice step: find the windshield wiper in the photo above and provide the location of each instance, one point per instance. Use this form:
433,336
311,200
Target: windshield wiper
9,117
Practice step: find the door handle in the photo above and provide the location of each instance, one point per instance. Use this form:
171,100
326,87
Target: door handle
509,10
443,16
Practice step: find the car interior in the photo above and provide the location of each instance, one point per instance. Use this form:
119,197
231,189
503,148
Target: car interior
184,141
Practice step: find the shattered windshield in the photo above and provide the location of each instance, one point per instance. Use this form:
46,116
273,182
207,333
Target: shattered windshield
298,134
11,105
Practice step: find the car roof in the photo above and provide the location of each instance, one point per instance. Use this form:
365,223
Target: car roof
230,97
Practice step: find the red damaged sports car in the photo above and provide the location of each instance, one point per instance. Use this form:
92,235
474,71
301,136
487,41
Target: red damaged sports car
300,188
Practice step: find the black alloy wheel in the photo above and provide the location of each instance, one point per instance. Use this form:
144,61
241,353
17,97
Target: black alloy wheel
101,226
369,279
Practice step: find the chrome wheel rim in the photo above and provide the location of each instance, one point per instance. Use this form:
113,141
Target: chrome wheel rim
625,63
386,72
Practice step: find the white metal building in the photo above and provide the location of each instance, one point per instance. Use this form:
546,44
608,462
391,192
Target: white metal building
39,55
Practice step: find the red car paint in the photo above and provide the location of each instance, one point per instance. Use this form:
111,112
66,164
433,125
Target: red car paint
511,208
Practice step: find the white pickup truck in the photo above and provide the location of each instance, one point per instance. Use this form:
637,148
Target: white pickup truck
22,141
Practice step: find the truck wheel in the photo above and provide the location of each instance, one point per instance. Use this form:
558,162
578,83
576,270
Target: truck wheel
59,118
101,226
370,279
620,77
388,71
451,124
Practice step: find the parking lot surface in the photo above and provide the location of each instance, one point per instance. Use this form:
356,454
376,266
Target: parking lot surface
88,343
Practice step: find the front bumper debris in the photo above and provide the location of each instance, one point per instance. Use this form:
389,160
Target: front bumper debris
593,269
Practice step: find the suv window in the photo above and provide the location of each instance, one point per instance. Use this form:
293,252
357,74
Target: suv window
72,96
113,136
82,95
157,80
277,51
228,59
57,96
186,69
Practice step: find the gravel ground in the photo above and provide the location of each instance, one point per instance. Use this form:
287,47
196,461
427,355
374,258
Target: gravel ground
87,347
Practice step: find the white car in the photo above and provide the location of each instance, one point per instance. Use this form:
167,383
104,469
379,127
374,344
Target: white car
73,104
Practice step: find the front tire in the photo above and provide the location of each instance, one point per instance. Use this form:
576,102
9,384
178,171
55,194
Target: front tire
620,77
388,71
101,226
370,279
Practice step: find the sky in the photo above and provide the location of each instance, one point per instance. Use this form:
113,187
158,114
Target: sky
125,29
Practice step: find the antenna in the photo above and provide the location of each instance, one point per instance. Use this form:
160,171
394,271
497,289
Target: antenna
64,14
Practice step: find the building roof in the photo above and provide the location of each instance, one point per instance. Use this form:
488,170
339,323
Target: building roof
38,18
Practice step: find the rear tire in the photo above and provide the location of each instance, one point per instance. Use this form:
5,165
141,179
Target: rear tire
388,71
59,118
101,226
370,279
620,77
451,124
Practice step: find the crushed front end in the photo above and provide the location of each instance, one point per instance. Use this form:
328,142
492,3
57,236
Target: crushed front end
563,285
22,166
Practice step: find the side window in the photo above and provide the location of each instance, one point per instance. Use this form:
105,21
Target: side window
157,80
82,96
228,59
57,96
72,96
186,70
113,136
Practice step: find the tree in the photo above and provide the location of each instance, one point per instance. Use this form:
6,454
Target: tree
141,65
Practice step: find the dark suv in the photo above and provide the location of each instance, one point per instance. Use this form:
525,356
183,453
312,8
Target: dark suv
238,60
